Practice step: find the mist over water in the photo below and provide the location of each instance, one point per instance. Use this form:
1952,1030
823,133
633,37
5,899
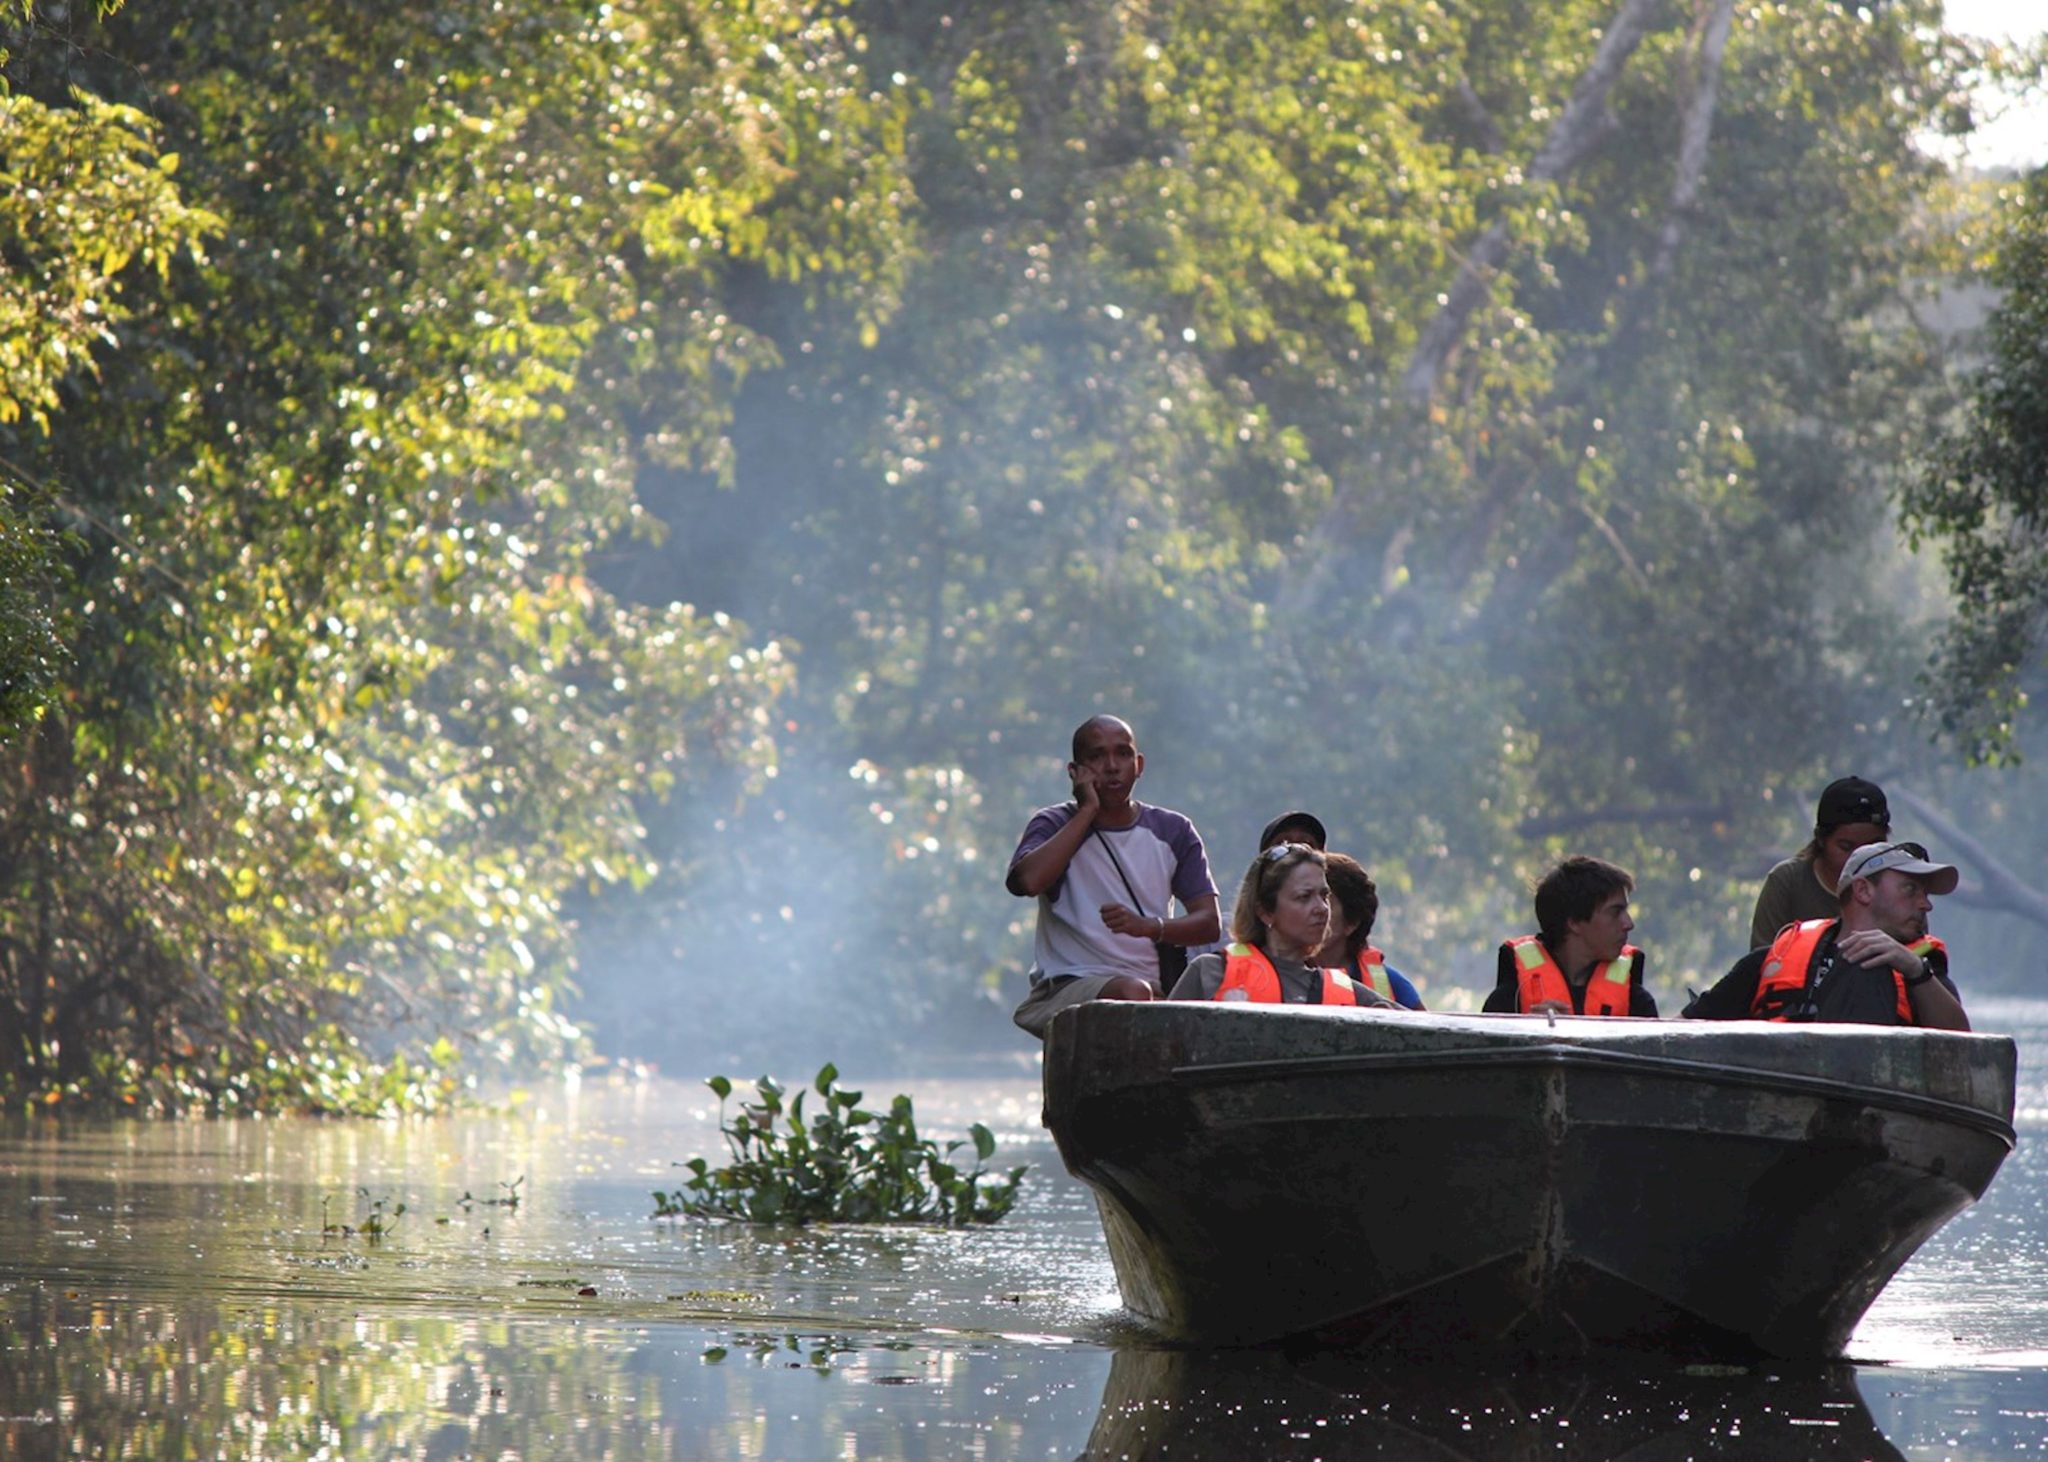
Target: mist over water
1602,596
796,925
807,923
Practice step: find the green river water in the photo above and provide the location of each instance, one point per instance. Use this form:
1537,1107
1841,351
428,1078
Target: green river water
169,1291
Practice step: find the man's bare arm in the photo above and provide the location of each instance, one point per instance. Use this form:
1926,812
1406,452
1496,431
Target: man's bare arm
1935,1008
1201,924
1046,864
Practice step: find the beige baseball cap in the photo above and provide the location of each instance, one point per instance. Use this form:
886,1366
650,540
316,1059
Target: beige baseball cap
1874,858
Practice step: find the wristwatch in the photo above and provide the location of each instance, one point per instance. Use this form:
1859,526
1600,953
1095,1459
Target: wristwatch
1926,974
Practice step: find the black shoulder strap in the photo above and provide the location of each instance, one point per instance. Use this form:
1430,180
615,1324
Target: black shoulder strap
1110,849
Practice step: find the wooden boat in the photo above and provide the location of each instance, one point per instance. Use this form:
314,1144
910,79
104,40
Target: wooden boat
1541,1184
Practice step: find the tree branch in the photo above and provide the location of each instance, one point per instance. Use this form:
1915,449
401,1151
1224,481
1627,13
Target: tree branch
1482,121
1582,124
2000,888
1694,130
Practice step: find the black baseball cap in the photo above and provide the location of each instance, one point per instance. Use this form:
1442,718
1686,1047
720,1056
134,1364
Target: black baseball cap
1308,820
1851,799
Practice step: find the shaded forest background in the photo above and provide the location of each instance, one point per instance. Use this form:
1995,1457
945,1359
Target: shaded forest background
539,534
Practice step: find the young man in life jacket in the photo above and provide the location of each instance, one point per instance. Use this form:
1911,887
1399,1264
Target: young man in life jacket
1875,964
1105,870
1581,963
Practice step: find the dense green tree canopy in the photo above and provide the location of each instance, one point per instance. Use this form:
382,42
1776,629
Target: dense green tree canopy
652,485
1146,437
1984,496
348,714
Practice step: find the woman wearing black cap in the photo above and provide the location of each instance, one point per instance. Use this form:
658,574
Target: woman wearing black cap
1852,813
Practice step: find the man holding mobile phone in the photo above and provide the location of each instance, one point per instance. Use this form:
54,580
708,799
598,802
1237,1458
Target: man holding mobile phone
1106,870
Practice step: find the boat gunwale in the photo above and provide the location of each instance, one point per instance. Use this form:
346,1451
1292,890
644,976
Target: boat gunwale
1558,1053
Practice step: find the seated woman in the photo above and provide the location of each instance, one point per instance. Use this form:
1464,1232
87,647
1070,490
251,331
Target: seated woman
1355,903
1282,916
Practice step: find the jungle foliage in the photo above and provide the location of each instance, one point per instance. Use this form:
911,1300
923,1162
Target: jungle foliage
496,489
1984,498
346,713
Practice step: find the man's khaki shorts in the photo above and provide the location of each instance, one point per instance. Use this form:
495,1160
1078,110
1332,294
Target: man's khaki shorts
1050,996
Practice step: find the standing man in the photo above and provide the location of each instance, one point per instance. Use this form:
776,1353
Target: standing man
1581,963
1105,870
1874,964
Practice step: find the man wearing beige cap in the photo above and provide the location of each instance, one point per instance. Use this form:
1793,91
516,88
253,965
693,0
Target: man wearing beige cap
1874,965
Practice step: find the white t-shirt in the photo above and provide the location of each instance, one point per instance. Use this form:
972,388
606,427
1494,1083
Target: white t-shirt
1163,857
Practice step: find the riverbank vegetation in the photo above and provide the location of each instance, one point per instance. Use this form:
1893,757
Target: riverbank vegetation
518,516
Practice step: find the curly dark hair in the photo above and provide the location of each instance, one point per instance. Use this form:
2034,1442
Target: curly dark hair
1357,898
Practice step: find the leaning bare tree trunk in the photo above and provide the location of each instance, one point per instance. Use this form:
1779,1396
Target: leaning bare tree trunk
1582,124
1998,887
1695,129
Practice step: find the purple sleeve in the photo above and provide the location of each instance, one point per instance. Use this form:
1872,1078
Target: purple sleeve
1191,877
1044,823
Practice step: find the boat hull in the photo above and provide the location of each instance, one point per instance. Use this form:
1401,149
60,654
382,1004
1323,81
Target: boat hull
1429,1182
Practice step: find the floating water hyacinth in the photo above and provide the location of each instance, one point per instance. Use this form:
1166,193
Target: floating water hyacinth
847,1165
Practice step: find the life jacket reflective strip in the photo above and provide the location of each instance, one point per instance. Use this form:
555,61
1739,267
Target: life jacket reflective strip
1372,972
1249,975
1537,978
1781,985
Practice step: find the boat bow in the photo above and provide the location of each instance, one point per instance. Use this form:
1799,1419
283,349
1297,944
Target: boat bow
1539,1183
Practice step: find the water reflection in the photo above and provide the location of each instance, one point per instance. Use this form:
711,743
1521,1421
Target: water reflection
81,1379
1168,1404
170,1290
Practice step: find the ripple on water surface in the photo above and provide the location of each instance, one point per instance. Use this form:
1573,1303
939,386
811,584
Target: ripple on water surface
184,1289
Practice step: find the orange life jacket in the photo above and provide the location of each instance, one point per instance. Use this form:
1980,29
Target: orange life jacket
1372,972
1537,978
1249,975
1781,987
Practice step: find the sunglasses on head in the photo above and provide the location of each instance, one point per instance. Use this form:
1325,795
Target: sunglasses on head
1280,850
1878,862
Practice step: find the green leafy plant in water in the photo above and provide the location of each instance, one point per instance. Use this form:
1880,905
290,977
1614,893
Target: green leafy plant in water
846,1165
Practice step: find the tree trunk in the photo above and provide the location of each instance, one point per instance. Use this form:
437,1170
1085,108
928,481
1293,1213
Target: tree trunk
1583,123
1998,887
1696,128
